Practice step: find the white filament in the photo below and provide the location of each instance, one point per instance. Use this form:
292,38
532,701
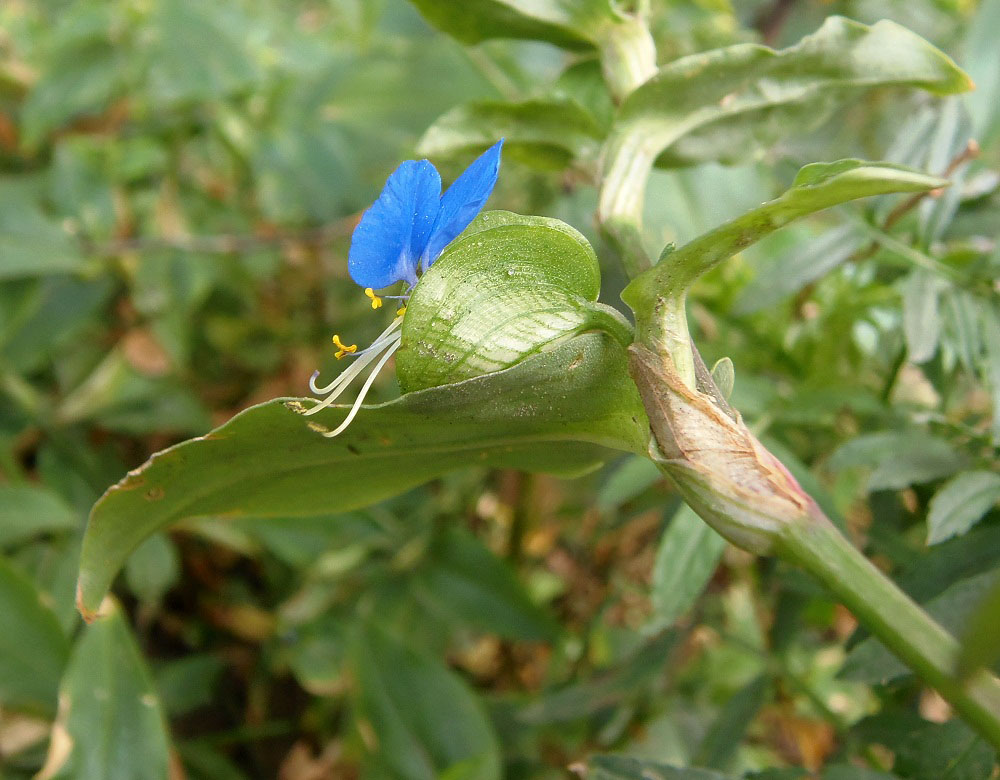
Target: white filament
364,391
364,357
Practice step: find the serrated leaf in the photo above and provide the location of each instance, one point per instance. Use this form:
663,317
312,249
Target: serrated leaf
562,411
729,104
550,133
629,768
961,503
110,717
688,554
33,648
816,187
426,721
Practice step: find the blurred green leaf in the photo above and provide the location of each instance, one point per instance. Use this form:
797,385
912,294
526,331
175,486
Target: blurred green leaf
610,687
922,314
425,721
569,23
626,481
187,683
198,51
31,242
462,577
27,511
564,411
628,768
688,555
88,68
950,751
718,748
900,458
33,648
816,187
981,641
152,568
961,503
109,709
542,132
730,104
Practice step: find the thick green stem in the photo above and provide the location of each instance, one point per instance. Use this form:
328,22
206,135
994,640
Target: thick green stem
818,547
628,55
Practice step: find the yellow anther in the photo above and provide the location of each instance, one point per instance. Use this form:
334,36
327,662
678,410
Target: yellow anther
376,301
343,349
400,311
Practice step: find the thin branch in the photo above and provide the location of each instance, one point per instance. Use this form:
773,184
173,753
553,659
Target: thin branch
222,244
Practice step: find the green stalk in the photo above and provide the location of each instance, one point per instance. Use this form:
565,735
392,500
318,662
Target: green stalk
818,547
628,54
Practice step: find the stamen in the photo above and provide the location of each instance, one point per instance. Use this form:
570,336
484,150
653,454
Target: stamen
376,301
388,337
343,349
361,396
338,385
400,311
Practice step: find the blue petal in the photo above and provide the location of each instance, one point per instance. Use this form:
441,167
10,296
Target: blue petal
390,238
463,200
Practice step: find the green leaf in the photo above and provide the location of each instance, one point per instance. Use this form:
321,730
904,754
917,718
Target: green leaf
31,242
981,641
27,511
961,503
719,746
424,718
568,23
509,287
565,411
627,481
547,133
152,568
628,768
465,579
188,683
922,314
816,187
109,710
33,648
784,276
610,687
730,104
688,554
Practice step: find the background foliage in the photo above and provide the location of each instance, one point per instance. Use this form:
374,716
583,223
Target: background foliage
178,183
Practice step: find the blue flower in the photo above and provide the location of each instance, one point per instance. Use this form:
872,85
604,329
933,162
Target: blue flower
411,223
404,232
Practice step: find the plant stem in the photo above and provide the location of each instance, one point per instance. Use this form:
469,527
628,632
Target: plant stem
628,54
909,632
